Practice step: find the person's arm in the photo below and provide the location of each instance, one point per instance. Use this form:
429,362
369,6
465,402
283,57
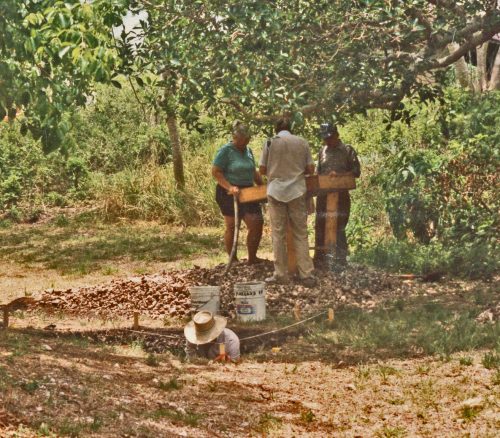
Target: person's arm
309,170
258,178
218,174
221,163
232,343
356,166
263,158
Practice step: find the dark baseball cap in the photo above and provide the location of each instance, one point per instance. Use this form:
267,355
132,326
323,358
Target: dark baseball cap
326,130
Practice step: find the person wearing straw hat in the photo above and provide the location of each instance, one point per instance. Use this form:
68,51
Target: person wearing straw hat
205,334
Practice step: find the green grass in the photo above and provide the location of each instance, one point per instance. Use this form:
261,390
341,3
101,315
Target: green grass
491,360
386,371
412,328
152,360
5,379
89,245
72,428
30,386
468,413
476,260
307,416
391,432
17,344
465,361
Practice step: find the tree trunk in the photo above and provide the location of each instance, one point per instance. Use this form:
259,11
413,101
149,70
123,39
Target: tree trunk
461,68
495,73
482,74
173,133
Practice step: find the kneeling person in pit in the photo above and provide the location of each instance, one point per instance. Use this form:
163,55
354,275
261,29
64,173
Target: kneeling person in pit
205,333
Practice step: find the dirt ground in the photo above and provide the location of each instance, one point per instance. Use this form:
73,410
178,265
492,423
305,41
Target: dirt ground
76,388
77,376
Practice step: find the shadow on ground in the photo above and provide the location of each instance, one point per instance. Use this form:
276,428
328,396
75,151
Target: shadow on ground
84,247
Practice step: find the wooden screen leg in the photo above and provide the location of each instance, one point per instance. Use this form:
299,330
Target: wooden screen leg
292,258
331,222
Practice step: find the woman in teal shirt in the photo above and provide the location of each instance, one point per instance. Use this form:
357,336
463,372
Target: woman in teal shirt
234,168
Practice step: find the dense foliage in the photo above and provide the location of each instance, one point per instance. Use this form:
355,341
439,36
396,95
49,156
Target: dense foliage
436,180
51,52
307,57
428,197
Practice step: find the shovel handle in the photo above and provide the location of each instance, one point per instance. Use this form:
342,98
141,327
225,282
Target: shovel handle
235,237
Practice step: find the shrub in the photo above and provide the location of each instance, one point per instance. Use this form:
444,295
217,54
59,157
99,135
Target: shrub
55,199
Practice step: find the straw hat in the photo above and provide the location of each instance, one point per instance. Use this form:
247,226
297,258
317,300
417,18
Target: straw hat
204,328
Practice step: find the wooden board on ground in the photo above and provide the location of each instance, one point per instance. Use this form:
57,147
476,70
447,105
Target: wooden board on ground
314,184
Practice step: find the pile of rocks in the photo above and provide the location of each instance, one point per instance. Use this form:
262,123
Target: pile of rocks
155,295
166,294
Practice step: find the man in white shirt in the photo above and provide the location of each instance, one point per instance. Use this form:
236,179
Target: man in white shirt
286,159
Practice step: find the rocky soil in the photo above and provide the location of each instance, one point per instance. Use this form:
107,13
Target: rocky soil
166,294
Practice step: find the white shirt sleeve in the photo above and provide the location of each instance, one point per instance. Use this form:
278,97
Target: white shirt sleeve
264,155
309,158
232,344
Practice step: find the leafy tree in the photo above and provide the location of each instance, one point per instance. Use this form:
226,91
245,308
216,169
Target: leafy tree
313,57
438,176
50,54
318,58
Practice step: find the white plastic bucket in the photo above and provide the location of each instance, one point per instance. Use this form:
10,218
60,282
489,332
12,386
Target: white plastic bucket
205,298
250,301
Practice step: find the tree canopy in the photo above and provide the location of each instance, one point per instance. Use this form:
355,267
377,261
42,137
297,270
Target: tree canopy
311,57
50,54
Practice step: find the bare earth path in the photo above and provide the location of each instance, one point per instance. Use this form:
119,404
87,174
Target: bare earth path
88,391
375,372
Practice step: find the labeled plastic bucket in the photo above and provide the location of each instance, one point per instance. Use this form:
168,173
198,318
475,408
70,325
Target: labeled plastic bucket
250,301
205,298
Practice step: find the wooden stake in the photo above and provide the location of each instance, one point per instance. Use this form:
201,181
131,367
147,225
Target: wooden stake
296,311
331,222
330,315
136,320
5,317
222,349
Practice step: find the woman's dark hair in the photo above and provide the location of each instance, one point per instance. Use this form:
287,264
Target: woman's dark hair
283,124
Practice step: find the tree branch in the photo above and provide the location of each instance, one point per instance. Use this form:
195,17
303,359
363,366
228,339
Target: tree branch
477,40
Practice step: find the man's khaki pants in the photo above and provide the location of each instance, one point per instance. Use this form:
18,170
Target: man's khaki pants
295,214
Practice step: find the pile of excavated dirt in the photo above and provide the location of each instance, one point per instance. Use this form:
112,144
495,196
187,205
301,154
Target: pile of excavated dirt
166,294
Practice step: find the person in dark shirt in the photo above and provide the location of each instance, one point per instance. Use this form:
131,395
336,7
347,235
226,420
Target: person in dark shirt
335,159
